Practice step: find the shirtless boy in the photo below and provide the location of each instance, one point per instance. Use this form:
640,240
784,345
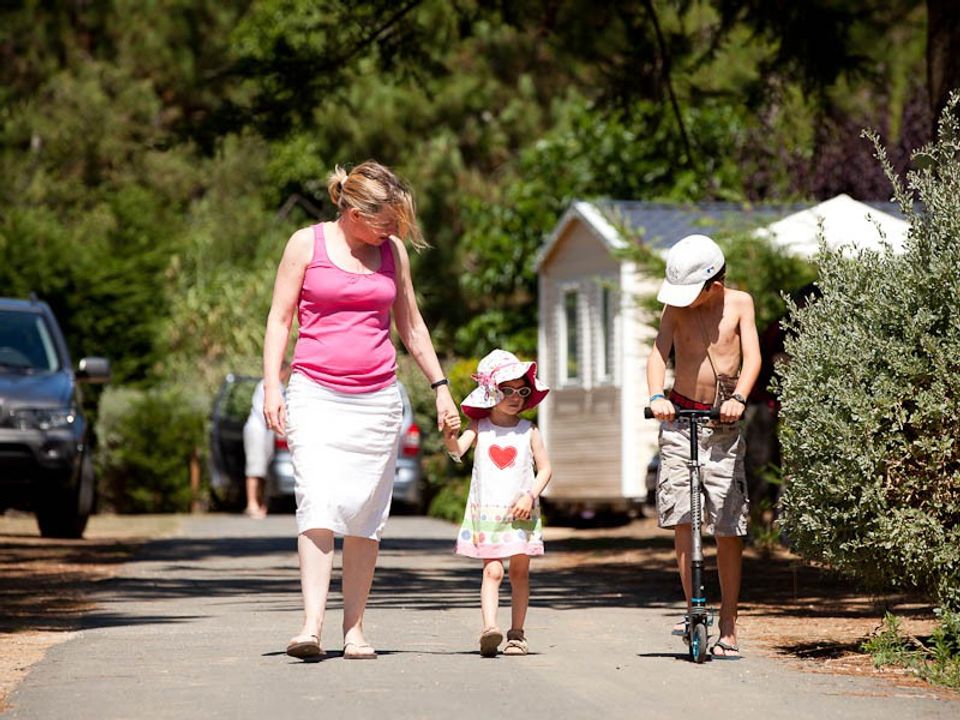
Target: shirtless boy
712,331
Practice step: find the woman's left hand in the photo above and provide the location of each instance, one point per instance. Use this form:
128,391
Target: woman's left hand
446,407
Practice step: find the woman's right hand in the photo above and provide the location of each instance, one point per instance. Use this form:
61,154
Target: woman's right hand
274,411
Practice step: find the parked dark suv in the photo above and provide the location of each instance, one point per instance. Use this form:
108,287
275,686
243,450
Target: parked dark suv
45,462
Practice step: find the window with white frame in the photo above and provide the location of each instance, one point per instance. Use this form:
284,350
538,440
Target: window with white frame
569,361
606,360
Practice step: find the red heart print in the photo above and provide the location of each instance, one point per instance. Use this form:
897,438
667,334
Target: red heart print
502,457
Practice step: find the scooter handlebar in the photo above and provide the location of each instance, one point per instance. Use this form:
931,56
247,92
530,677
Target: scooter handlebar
712,413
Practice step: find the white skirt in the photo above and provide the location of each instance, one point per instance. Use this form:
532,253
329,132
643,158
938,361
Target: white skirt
344,450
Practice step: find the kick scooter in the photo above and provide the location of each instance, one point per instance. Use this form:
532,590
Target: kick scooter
698,617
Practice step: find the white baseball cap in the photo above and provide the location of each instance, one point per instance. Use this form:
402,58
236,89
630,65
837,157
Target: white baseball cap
690,263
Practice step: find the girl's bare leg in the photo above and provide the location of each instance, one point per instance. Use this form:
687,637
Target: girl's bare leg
490,591
519,590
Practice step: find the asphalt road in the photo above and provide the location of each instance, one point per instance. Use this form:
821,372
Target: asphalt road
196,626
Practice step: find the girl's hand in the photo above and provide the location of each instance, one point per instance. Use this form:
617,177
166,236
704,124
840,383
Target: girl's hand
523,507
274,411
451,428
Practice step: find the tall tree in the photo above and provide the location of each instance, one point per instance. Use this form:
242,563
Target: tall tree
943,51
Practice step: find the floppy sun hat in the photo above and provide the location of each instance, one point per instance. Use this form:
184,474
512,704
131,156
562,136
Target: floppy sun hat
690,263
498,367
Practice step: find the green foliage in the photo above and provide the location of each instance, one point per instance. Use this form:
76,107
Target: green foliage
451,499
147,440
887,645
937,662
870,407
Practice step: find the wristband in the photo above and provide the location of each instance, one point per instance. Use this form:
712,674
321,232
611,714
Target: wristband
657,396
438,383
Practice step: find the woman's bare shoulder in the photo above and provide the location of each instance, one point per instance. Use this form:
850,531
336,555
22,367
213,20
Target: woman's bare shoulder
300,246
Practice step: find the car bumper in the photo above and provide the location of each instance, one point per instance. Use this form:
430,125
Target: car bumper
406,483
31,460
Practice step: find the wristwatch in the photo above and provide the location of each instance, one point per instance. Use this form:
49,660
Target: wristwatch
739,398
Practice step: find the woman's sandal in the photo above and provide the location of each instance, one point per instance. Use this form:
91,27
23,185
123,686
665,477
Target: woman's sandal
490,640
305,649
358,651
516,643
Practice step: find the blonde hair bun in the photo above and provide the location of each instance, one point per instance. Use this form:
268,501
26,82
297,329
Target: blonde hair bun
370,187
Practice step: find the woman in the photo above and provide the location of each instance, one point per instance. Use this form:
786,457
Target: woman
342,417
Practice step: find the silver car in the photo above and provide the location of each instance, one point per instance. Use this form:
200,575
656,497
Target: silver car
230,411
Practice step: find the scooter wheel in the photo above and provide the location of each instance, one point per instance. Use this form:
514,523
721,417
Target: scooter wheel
698,643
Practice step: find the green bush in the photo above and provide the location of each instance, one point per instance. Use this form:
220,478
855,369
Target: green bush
936,660
871,396
147,440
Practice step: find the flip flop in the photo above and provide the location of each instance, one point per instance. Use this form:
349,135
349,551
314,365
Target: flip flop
359,651
727,649
305,649
680,629
490,640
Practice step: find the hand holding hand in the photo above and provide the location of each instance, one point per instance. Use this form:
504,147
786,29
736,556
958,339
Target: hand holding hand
451,426
446,408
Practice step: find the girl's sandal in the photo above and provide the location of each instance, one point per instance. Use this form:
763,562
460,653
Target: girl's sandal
516,643
490,640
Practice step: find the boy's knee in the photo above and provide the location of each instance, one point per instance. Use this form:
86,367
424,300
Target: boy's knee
493,571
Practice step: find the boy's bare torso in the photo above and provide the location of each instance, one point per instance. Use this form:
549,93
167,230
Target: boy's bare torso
689,329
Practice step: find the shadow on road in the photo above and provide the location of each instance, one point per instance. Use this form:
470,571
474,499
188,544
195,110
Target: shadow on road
583,572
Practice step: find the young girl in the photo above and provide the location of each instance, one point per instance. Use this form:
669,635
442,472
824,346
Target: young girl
502,517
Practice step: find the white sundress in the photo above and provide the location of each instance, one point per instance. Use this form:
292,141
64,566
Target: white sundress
502,472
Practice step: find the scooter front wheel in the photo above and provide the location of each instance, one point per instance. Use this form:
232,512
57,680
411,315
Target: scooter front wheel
698,642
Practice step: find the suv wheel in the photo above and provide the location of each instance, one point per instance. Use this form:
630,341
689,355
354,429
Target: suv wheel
64,512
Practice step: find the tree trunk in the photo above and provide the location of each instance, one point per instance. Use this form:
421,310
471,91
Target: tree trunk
943,52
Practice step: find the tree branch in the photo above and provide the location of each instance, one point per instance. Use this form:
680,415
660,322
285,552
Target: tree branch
665,69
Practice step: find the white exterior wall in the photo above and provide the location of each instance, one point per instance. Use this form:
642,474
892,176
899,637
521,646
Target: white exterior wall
639,436
581,418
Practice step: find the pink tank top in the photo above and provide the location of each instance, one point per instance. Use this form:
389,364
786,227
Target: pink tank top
344,341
